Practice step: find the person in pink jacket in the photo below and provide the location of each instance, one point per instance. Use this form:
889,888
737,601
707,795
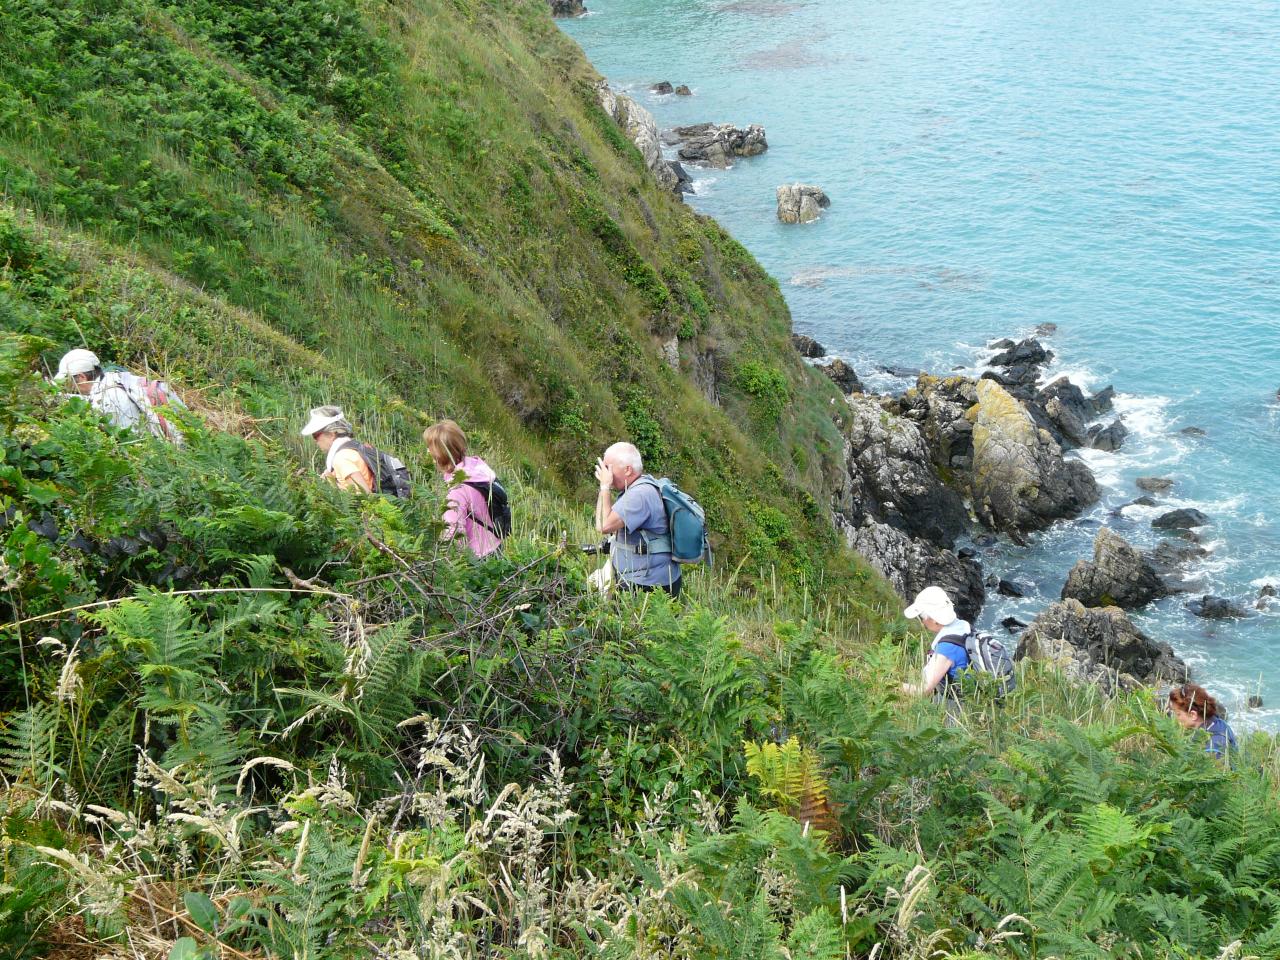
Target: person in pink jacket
477,510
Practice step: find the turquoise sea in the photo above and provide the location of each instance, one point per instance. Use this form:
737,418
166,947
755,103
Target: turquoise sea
1111,167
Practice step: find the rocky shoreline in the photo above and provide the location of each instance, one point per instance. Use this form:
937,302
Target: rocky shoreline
988,456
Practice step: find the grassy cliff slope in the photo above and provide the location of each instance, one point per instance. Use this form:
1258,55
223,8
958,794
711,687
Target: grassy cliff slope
414,210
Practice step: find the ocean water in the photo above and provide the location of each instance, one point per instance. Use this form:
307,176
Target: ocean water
1111,167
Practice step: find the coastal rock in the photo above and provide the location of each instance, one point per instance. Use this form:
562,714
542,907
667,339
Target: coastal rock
1099,644
684,182
1013,624
890,461
911,564
567,8
1193,432
683,91
842,375
1070,426
1254,702
1024,353
1217,608
1072,400
1109,438
640,127
1118,575
807,346
1020,480
941,406
1154,484
1002,344
1046,329
1007,588
663,87
1184,519
801,202
716,144
1267,591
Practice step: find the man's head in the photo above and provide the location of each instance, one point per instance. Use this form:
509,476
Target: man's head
326,425
82,367
933,607
624,463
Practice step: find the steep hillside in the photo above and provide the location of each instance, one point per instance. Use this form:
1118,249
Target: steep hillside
415,210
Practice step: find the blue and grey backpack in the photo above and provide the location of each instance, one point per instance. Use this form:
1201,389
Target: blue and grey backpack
686,537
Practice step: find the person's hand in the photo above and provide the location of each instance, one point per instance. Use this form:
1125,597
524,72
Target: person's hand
604,475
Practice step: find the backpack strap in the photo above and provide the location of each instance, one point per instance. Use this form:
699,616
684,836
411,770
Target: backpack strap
654,542
485,489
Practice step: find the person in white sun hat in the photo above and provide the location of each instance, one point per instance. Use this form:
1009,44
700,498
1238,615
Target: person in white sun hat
127,400
948,657
343,462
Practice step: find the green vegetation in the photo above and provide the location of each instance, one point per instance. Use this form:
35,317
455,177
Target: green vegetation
244,715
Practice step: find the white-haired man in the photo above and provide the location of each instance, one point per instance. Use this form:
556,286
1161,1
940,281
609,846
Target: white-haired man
948,656
634,521
127,400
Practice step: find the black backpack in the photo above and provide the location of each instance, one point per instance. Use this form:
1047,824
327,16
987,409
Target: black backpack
499,504
392,475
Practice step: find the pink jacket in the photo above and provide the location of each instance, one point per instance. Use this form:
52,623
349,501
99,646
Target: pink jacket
468,514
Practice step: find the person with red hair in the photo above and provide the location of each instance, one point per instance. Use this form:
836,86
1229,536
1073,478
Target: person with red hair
1193,708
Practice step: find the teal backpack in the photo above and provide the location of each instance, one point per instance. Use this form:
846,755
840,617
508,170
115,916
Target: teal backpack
686,538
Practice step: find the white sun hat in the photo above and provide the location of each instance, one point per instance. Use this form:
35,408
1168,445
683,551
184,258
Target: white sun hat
75,362
932,602
321,417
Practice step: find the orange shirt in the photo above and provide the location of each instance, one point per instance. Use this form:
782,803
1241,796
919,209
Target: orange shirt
350,471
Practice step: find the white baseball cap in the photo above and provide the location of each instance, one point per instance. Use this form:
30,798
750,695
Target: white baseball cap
75,362
932,602
321,417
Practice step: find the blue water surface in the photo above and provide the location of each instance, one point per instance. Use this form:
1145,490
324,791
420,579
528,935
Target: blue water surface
1111,167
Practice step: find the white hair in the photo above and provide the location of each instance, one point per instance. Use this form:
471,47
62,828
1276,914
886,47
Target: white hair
625,455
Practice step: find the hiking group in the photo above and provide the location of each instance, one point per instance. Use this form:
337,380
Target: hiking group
652,528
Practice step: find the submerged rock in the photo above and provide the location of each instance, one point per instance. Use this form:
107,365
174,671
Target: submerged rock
1020,479
1118,575
807,346
1184,519
1217,608
683,91
801,202
1193,432
1154,484
1099,644
663,87
842,375
1255,702
716,144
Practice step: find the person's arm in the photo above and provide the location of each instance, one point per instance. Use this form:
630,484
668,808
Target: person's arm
455,514
934,670
607,519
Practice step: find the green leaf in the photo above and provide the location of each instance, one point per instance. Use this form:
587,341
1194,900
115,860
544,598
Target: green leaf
184,949
202,910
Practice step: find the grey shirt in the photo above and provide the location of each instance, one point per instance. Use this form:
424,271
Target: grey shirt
642,512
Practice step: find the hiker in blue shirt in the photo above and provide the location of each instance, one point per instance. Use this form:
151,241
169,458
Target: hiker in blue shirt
635,521
948,657
1194,709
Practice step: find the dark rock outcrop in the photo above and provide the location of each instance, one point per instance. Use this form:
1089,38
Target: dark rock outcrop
1119,575
567,8
1108,438
842,375
663,87
941,406
801,202
807,346
1007,588
1217,608
683,91
1100,645
1185,519
1193,432
911,564
1154,484
1020,480
1027,352
891,462
716,144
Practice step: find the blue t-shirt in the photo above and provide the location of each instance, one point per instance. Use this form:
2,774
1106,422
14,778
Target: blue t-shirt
642,512
1221,738
950,644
